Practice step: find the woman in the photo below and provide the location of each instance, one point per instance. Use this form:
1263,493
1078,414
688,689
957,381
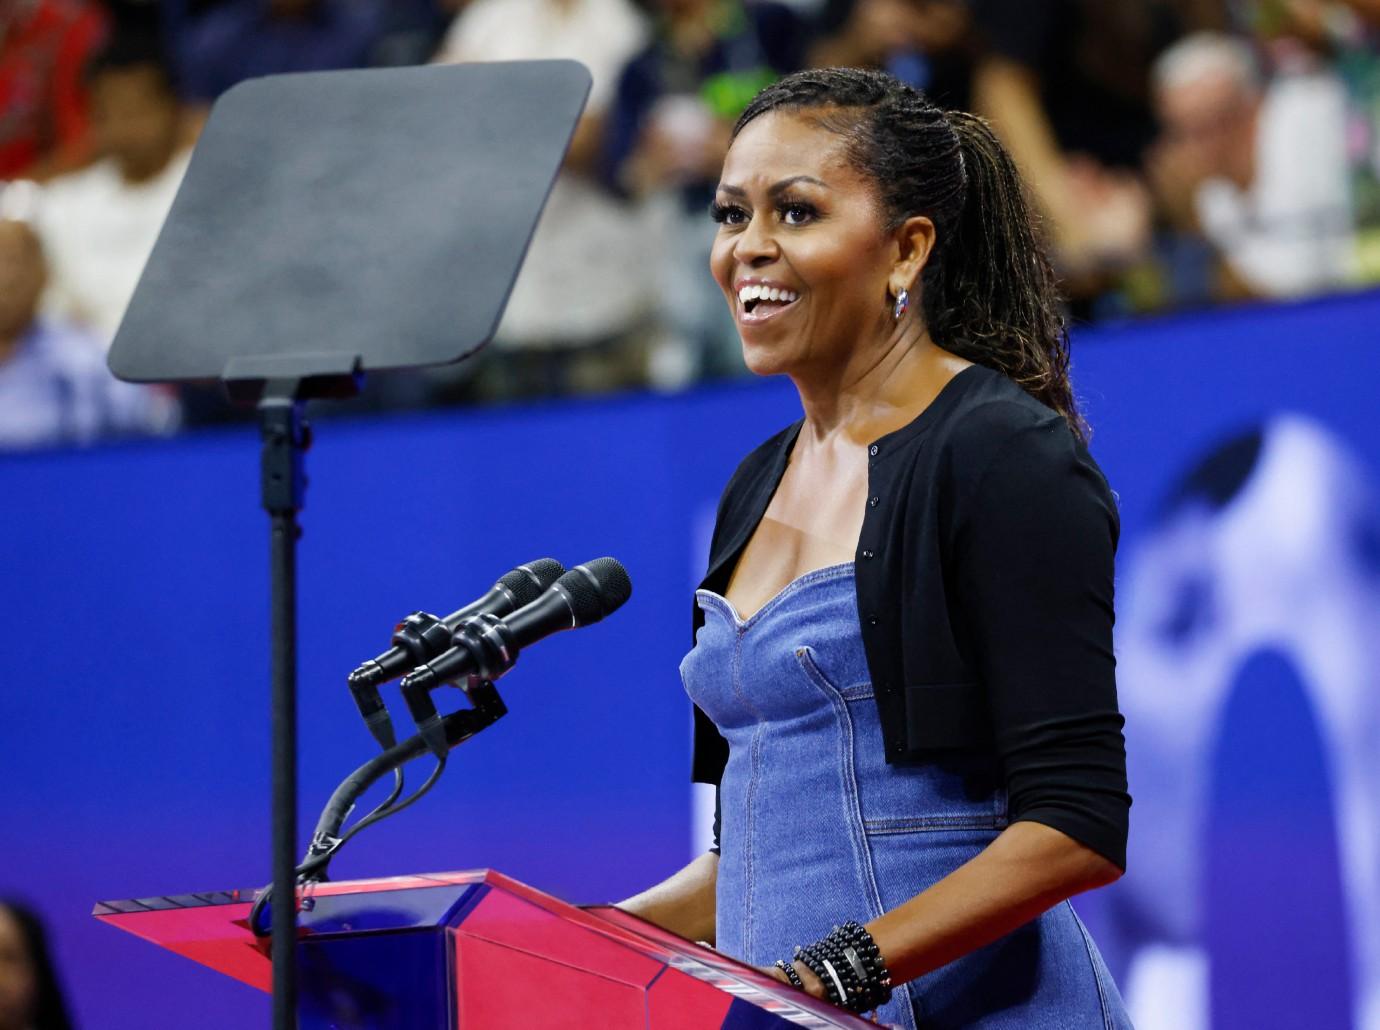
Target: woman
903,667
30,998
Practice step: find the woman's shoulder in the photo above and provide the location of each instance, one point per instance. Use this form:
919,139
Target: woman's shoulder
995,417
997,441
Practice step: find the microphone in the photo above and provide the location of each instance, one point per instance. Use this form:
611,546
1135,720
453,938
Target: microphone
422,636
487,646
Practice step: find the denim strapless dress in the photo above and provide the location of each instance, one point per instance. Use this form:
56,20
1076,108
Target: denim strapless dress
817,829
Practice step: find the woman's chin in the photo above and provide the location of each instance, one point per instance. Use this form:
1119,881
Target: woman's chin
763,360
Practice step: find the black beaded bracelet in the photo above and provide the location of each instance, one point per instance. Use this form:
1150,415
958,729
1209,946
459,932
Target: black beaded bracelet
849,965
817,958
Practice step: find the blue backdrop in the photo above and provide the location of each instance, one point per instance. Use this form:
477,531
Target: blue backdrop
134,628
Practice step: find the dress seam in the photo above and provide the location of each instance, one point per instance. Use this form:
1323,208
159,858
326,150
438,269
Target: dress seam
816,676
1092,964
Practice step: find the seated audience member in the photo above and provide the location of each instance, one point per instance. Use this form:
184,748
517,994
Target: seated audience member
241,39
1066,84
30,998
667,135
575,321
54,385
1264,163
99,225
44,46
927,44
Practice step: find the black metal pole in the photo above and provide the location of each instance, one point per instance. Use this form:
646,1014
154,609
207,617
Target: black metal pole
285,440
284,703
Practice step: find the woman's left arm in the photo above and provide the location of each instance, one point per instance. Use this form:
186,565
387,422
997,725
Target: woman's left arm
1029,868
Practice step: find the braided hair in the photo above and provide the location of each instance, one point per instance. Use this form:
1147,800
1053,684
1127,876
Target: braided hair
988,292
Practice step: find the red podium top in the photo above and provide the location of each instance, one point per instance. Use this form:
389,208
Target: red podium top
505,932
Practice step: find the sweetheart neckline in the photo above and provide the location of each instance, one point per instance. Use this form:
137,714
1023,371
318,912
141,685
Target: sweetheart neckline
814,575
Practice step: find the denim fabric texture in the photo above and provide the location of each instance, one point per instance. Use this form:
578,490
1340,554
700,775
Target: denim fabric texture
817,828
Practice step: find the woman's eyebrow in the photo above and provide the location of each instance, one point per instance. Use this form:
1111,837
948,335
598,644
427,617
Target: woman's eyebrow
775,188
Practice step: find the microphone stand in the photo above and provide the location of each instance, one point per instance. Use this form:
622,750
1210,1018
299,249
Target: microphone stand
458,727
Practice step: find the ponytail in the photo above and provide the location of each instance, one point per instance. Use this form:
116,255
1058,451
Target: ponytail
990,296
988,291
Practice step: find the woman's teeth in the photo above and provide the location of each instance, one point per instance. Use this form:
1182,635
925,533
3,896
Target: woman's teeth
748,296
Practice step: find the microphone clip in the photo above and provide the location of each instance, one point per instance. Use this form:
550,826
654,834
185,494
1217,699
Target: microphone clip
418,637
442,733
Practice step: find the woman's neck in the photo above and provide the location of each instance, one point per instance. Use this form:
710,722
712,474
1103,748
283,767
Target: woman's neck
878,391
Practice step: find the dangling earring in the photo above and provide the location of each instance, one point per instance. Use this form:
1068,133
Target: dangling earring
902,302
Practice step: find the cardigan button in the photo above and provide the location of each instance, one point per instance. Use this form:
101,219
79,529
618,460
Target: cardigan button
867,554
873,450
872,502
872,620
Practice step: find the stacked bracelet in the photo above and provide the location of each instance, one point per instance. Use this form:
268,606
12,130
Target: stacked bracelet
849,965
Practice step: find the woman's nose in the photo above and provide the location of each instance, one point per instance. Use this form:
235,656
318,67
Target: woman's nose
756,245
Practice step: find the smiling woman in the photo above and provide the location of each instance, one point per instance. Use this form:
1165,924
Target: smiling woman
903,671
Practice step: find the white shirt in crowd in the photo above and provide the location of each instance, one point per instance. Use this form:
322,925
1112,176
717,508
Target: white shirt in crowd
98,231
587,275
1290,233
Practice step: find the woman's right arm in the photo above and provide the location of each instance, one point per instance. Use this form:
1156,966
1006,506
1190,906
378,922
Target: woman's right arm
684,903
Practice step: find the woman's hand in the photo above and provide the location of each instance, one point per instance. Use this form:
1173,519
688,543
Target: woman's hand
814,987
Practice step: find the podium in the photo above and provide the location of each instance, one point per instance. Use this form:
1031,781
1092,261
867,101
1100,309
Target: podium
475,951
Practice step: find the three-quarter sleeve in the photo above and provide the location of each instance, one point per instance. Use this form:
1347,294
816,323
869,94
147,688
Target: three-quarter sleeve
1033,574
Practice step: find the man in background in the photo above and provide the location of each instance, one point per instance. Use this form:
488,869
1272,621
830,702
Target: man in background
99,225
1262,165
54,386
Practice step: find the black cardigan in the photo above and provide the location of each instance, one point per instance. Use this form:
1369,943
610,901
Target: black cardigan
984,582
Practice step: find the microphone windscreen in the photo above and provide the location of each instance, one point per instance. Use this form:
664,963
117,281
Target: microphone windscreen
528,582
582,593
611,582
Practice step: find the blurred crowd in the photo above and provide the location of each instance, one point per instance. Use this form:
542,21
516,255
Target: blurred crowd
1183,153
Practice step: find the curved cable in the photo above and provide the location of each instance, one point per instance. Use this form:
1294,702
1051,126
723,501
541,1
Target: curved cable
317,863
312,863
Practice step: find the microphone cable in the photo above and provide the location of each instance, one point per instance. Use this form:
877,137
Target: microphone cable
312,868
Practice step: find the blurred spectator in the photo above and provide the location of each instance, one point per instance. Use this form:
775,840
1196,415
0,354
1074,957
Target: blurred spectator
678,98
575,321
54,386
242,39
410,31
928,44
667,136
1263,163
30,998
99,225
44,45
1066,83
1353,39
